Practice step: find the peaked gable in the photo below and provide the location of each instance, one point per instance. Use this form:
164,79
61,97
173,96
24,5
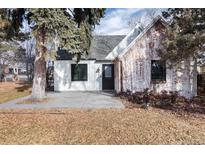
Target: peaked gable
131,38
102,45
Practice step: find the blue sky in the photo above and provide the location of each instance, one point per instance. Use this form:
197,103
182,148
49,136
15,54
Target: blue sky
116,21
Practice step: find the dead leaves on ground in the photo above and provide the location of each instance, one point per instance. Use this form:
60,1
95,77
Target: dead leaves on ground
99,126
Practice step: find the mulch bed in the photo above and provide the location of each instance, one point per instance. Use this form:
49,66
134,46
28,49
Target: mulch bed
182,106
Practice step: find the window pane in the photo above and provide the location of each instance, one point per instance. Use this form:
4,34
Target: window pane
79,72
108,71
158,70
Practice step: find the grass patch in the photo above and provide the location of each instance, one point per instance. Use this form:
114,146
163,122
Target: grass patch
99,126
10,91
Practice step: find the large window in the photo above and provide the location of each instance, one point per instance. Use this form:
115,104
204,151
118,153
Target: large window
158,70
79,72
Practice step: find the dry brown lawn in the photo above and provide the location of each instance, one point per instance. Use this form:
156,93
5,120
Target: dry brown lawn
99,126
10,91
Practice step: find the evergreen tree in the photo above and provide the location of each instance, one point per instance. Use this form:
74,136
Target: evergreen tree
67,29
185,36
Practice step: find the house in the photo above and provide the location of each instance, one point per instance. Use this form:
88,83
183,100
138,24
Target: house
123,63
12,65
9,71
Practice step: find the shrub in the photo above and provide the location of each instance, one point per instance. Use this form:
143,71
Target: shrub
151,98
166,100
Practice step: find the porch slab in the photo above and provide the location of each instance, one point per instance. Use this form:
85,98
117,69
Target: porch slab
74,99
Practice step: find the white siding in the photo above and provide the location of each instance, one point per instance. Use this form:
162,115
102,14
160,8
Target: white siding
183,80
62,76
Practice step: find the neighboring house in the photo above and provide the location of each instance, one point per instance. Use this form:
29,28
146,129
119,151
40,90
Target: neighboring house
124,63
9,70
17,69
12,65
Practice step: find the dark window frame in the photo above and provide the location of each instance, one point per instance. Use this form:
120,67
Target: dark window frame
159,74
77,73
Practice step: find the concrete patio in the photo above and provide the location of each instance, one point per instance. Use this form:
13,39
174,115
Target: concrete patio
84,100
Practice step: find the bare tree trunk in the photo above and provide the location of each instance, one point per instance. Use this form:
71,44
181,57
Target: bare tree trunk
39,80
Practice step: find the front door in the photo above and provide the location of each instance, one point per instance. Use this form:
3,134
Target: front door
108,77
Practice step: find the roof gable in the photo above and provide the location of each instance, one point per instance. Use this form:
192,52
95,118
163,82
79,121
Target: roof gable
131,38
101,46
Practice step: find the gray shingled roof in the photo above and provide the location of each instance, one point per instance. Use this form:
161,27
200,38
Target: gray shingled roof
101,46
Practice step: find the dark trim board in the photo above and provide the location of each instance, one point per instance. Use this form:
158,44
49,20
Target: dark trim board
108,77
104,61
